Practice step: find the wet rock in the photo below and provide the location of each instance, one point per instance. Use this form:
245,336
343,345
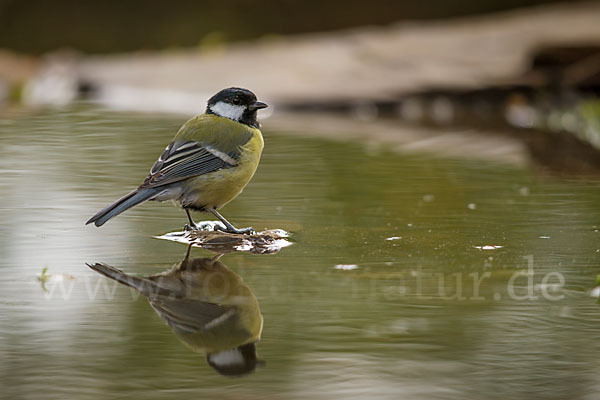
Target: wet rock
265,242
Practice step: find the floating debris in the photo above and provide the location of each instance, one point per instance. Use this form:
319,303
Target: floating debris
488,247
46,278
544,237
265,242
595,292
394,238
472,206
346,267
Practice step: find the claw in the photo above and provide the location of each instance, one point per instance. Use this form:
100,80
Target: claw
230,228
191,227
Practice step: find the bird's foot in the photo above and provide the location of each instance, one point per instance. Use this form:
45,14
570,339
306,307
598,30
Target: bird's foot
244,231
202,226
190,227
208,226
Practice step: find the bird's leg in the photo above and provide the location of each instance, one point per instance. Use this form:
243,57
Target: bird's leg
230,228
192,224
184,263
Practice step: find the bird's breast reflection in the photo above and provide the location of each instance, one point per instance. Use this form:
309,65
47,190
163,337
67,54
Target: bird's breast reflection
208,307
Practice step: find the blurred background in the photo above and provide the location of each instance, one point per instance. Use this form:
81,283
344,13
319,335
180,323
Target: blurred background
422,155
36,27
495,64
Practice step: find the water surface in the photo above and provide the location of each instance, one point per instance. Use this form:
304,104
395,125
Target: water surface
409,321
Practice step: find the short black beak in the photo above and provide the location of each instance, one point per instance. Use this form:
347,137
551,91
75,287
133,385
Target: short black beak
257,105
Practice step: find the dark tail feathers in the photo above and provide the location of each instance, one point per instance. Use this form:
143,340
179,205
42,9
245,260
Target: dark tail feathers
142,285
129,200
149,287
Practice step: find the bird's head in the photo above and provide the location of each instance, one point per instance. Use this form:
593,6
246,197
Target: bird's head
235,362
236,104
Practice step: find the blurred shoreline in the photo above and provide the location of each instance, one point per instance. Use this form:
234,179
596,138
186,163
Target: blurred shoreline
368,63
508,70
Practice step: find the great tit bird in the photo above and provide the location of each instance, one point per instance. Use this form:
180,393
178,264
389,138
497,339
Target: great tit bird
208,307
209,162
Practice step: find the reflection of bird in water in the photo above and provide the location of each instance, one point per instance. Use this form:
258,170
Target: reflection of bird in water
208,307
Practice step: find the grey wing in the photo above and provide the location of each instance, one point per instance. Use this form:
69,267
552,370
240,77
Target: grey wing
190,316
182,160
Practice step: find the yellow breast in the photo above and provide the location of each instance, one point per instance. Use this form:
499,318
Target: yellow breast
216,189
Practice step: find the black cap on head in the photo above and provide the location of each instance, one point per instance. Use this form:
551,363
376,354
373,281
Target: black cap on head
241,96
237,104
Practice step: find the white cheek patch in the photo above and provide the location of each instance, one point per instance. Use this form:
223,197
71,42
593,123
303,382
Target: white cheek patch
230,111
227,358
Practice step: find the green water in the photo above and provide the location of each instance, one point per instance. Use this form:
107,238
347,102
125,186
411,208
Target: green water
409,322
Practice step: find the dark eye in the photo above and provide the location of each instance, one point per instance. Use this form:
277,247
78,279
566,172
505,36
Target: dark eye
236,101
